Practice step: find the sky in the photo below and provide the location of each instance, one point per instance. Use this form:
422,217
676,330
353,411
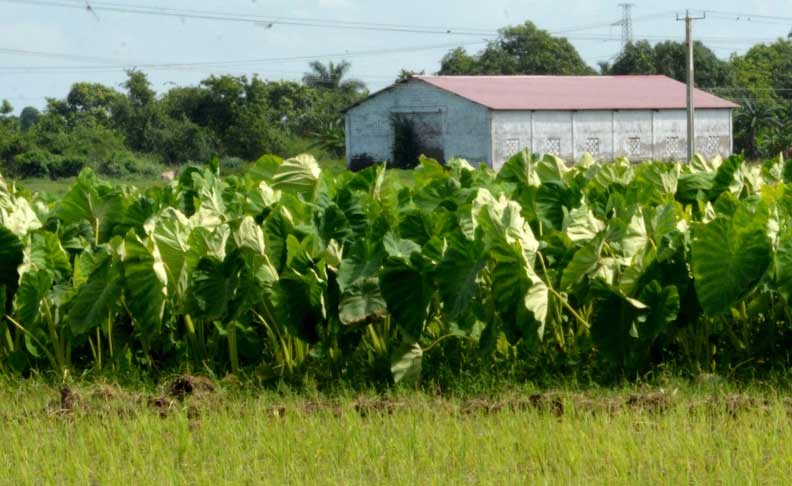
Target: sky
46,45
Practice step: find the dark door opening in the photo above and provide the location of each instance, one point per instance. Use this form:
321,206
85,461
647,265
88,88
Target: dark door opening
416,134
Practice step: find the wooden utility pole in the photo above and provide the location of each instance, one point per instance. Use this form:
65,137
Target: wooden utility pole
691,122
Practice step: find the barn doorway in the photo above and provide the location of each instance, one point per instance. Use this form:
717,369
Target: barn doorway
416,134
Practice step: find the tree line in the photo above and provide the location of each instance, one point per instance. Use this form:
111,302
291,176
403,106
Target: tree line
134,129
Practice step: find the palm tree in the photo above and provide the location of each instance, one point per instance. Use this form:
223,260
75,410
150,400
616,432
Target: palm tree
755,118
331,77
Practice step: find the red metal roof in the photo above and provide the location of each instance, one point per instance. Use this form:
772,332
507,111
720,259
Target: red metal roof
575,92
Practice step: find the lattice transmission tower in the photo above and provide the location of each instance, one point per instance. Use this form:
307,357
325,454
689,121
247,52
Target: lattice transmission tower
626,23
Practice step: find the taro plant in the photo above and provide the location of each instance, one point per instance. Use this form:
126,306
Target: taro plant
288,270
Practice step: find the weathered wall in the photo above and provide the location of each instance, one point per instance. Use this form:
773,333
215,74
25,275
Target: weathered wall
594,134
635,134
465,125
553,133
477,134
714,132
632,134
511,132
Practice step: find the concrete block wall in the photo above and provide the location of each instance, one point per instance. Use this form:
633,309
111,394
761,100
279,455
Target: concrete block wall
466,125
635,134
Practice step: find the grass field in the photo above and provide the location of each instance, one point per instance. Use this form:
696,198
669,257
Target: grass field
100,434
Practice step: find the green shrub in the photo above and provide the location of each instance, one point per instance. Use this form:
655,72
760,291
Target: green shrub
179,141
124,164
231,163
34,163
67,166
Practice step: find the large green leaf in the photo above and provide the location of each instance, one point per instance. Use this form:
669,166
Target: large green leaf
210,290
171,233
46,253
588,261
550,204
501,222
663,303
145,281
726,177
400,247
358,283
614,322
520,169
407,293
457,274
264,168
97,298
361,301
625,329
730,256
536,301
98,204
521,297
551,169
693,187
33,289
580,224
211,242
17,216
277,227
332,224
619,172
406,363
249,236
298,174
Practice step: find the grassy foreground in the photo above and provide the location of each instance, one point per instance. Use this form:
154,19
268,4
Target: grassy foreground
193,435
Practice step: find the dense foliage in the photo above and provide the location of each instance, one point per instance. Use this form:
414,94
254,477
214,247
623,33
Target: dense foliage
603,269
120,133
670,59
519,49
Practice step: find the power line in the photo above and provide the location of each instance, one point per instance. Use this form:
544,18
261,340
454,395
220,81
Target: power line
262,21
249,15
114,64
272,21
58,55
610,23
748,16
233,63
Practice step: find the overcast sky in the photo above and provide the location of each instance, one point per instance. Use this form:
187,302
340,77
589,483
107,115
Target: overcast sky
64,44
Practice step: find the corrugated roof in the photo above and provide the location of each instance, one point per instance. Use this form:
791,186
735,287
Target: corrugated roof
575,92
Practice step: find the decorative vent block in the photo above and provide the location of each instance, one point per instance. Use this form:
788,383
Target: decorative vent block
634,146
593,146
553,146
711,146
512,146
672,147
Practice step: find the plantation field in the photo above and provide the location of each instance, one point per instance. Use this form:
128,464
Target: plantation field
286,270
102,434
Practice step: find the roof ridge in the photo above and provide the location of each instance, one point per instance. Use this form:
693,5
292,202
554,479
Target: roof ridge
593,76
534,92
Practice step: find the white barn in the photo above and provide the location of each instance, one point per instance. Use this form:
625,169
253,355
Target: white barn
489,118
